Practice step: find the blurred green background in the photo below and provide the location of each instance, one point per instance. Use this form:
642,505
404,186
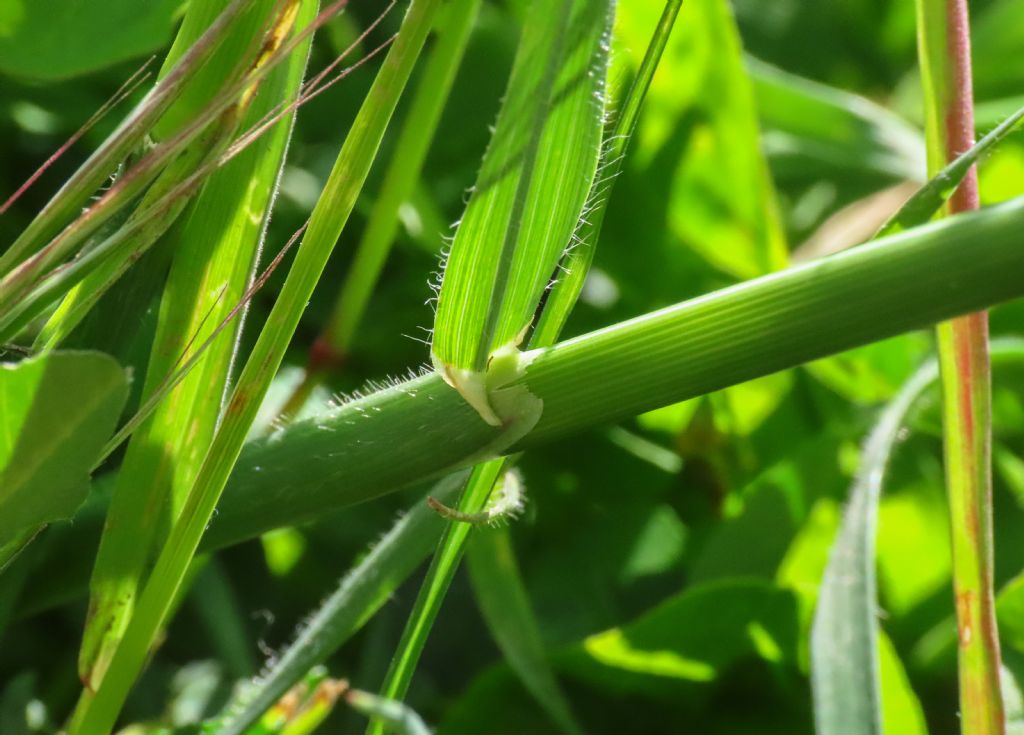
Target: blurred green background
672,560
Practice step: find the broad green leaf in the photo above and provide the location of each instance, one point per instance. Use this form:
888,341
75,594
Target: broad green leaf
56,411
53,39
695,636
499,591
529,195
701,111
845,666
214,251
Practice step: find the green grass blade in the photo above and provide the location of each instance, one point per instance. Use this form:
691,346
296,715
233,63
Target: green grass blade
931,197
502,598
439,576
330,349
532,186
67,202
845,669
410,152
98,711
807,119
358,596
576,263
215,249
944,50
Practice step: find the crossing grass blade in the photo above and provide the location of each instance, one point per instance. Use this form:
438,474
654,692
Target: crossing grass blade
532,186
931,197
97,711
330,349
173,170
215,249
845,668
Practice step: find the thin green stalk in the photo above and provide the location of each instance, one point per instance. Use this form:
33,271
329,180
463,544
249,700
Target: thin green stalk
945,57
743,332
330,349
422,429
443,566
97,711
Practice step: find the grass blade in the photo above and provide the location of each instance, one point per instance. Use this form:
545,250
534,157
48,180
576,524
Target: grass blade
532,186
502,598
215,249
331,347
576,263
845,667
931,197
98,711
944,50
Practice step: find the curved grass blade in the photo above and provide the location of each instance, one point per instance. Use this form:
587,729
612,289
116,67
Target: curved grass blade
845,637
501,596
532,186
97,712
845,667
